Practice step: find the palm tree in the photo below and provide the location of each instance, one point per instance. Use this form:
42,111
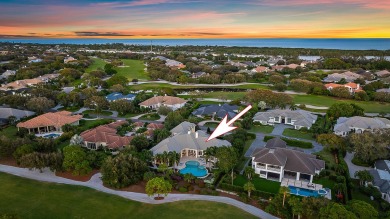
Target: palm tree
249,186
296,206
249,172
286,193
188,177
364,176
165,157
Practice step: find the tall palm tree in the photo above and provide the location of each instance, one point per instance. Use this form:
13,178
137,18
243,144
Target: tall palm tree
286,193
175,158
249,187
165,157
249,172
364,176
293,107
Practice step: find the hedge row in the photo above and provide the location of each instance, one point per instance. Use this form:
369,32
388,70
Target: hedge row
233,188
292,142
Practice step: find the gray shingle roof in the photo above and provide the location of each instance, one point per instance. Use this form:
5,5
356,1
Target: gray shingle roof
7,112
182,141
301,117
292,160
345,124
220,110
183,127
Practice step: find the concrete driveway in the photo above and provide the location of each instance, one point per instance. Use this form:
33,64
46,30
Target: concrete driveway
352,167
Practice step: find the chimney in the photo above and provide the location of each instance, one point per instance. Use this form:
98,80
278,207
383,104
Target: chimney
196,135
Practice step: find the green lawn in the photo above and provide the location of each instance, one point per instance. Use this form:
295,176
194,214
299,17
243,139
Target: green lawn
211,124
10,131
33,199
151,116
298,134
368,106
262,128
70,108
102,113
96,64
327,157
224,95
260,184
88,124
134,69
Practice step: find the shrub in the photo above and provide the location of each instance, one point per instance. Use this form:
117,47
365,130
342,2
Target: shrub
268,137
182,189
190,188
201,184
197,191
149,175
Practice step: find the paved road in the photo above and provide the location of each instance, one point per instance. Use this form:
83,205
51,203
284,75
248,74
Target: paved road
96,183
257,143
352,167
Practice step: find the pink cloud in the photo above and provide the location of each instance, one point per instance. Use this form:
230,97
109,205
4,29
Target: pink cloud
143,3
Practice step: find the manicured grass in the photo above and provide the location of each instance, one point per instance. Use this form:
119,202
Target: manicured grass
368,106
134,69
262,128
211,124
298,134
33,199
151,116
97,63
88,124
252,86
102,113
10,131
260,184
327,157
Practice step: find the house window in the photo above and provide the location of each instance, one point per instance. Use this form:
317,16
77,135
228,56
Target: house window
276,119
200,153
288,120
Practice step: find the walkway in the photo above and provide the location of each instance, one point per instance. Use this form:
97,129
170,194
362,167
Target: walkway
352,167
257,143
96,183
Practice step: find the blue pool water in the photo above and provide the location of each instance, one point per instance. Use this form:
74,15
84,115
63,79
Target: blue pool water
306,192
52,135
194,168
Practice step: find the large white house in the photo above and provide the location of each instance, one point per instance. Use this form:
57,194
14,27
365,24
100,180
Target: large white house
276,162
296,118
359,124
155,102
188,143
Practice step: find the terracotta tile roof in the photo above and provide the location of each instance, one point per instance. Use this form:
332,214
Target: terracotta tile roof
332,85
155,126
107,134
21,84
57,119
139,124
168,100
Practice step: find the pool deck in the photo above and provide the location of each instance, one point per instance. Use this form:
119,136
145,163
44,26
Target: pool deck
48,133
301,184
202,162
306,185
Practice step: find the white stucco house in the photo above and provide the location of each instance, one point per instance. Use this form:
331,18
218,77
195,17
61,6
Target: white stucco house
359,124
296,118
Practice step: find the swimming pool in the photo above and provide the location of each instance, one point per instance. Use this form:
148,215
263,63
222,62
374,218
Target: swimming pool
306,192
52,135
194,168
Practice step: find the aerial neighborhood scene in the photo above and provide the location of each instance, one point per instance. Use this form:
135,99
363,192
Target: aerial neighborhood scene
192,109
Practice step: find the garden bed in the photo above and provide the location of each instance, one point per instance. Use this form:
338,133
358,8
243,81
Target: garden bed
151,116
81,178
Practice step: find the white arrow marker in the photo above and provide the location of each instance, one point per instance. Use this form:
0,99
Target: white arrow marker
224,127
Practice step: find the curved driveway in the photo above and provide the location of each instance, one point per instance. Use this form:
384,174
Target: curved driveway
96,183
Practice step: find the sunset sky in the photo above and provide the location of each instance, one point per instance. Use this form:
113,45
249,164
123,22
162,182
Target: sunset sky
195,19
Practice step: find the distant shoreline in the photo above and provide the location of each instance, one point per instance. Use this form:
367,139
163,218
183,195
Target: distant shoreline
305,43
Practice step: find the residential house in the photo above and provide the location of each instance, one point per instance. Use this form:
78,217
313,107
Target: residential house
155,102
381,175
48,77
385,90
174,64
69,59
383,74
6,113
217,110
105,136
261,69
119,96
183,128
49,122
297,118
348,76
34,59
352,87
20,84
275,162
188,144
6,74
359,124
198,74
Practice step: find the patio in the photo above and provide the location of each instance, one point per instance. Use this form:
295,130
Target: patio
202,162
301,184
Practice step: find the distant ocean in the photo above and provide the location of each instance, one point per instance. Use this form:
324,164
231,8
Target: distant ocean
345,44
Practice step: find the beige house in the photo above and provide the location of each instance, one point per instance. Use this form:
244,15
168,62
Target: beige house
155,102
